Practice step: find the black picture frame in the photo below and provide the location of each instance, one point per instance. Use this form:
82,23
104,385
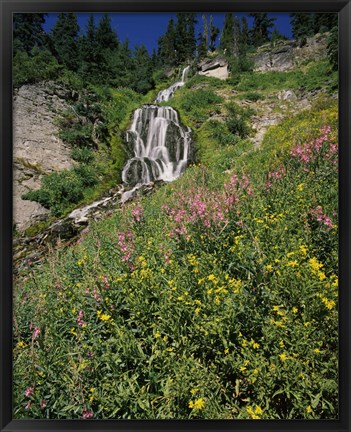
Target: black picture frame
343,7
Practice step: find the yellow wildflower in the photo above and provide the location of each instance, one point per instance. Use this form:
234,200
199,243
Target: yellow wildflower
303,250
283,357
198,404
309,409
104,317
21,344
300,187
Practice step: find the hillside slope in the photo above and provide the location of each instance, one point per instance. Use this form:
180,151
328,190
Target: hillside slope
216,296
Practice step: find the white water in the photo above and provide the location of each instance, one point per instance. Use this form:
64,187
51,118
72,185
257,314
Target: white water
161,146
165,95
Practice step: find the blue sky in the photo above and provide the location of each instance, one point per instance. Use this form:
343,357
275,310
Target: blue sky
146,28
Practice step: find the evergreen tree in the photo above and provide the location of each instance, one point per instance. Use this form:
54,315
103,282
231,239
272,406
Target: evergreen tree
190,35
90,55
244,35
201,50
180,38
324,22
167,45
28,31
227,39
276,35
261,26
214,31
121,61
106,38
143,70
301,25
64,40
206,33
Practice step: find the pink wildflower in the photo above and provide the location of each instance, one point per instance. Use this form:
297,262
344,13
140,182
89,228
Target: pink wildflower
80,321
87,414
29,391
137,214
36,332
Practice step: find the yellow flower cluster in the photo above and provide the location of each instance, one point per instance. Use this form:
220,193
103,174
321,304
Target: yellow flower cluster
329,304
254,413
102,316
198,404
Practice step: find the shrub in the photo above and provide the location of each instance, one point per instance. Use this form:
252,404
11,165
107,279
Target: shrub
220,132
237,122
61,189
78,135
83,154
197,105
38,66
252,96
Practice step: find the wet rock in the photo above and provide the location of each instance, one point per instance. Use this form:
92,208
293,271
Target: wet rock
63,229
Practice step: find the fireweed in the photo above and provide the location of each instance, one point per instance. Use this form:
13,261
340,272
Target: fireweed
196,302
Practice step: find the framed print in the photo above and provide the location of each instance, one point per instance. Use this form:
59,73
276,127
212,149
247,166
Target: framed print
175,215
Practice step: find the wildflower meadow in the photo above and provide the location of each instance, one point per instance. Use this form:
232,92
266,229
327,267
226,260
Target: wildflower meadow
214,298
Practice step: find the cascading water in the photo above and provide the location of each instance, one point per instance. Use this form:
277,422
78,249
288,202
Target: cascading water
165,95
161,146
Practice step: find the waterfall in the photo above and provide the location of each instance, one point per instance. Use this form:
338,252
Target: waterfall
165,95
160,144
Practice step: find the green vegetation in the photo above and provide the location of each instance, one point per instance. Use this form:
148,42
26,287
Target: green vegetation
216,297
94,128
196,105
315,76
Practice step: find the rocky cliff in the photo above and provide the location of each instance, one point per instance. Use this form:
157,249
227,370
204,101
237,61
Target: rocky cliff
36,147
288,54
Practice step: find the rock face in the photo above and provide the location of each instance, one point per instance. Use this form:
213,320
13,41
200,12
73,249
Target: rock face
216,67
36,147
285,55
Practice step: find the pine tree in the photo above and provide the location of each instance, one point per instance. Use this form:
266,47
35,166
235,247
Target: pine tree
206,33
106,38
64,40
324,22
180,38
167,45
28,31
214,31
244,35
89,53
190,35
261,26
227,38
122,62
276,35
143,70
301,25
